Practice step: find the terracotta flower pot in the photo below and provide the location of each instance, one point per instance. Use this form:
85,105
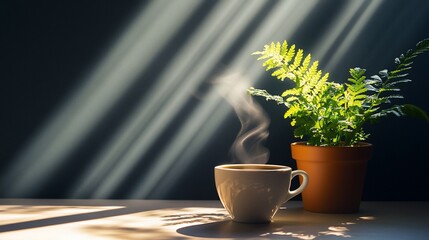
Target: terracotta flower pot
336,176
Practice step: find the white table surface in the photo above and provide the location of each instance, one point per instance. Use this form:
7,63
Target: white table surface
162,219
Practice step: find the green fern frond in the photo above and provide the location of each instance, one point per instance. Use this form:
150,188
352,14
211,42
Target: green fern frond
329,113
263,93
291,92
404,62
324,78
297,60
284,48
304,65
414,111
290,54
293,109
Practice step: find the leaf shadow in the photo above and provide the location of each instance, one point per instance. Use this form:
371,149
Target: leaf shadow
294,223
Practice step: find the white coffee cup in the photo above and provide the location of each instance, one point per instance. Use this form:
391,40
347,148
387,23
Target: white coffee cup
252,193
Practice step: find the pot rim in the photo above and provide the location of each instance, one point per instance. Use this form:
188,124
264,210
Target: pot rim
359,145
303,152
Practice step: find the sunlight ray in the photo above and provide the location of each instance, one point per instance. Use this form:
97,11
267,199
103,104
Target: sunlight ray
353,34
87,106
173,89
339,26
207,118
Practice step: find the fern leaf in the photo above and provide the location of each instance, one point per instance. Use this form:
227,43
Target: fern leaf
376,78
284,48
291,92
312,71
305,63
393,76
263,93
290,54
423,45
292,111
297,60
390,90
396,82
414,111
394,72
292,99
324,78
384,73
394,96
280,73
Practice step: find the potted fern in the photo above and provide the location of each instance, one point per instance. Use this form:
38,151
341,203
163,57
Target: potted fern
330,117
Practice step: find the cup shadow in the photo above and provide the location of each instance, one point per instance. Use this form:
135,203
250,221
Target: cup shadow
226,229
294,223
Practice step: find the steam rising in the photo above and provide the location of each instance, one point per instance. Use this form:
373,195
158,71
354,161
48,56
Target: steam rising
247,147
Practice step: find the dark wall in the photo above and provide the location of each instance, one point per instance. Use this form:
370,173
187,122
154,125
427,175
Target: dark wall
48,48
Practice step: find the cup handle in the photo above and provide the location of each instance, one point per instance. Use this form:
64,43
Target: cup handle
301,188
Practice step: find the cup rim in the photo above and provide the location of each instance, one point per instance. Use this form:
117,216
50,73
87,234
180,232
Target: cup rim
270,167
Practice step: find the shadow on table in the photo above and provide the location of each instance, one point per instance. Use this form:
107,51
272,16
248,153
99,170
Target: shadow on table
21,214
288,224
47,220
160,224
